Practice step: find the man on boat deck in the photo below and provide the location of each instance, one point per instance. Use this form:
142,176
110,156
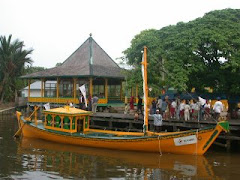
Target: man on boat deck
157,120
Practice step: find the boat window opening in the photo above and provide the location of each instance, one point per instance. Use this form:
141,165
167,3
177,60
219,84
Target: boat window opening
80,124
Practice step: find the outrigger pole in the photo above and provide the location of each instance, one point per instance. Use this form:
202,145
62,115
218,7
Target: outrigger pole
145,90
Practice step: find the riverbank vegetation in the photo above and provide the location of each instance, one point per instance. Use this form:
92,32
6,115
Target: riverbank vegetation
201,53
15,61
13,58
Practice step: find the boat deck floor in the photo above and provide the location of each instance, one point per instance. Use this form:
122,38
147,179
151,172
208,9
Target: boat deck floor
88,133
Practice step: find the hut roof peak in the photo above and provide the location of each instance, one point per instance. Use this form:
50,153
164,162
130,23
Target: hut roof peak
87,60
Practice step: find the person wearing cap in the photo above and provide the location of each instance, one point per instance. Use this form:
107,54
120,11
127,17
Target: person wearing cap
217,108
157,121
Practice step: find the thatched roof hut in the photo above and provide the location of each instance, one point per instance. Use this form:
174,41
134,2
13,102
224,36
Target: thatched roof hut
89,65
89,60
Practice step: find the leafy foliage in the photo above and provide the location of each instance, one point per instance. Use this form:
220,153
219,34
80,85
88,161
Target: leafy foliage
202,53
12,60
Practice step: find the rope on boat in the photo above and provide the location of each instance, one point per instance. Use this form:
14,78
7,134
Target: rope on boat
159,145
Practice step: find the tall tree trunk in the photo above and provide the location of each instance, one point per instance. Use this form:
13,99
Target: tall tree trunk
2,93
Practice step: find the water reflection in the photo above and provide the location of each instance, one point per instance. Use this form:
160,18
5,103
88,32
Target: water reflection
67,161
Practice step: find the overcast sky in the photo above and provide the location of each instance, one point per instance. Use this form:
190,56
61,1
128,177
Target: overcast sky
56,28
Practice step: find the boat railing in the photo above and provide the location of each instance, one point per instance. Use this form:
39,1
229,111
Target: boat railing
35,114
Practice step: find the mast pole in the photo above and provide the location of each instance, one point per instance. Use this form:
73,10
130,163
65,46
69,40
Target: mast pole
144,63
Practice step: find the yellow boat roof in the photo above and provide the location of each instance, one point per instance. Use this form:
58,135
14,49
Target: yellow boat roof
67,110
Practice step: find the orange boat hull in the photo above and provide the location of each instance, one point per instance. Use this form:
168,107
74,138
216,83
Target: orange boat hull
165,142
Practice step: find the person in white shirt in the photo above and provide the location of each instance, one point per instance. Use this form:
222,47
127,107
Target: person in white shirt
217,108
201,102
173,109
157,120
182,104
195,108
187,111
159,103
207,107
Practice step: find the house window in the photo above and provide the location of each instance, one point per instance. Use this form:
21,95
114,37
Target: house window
66,88
50,89
99,91
114,90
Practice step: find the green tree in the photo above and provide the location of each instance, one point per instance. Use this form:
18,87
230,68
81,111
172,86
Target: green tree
202,53
12,60
32,69
133,54
58,64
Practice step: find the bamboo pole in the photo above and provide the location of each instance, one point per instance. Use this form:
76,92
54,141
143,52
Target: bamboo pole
106,89
136,91
144,63
44,84
74,88
57,87
42,88
121,90
91,86
29,82
35,114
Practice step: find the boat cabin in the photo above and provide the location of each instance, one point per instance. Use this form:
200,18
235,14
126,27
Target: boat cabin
67,119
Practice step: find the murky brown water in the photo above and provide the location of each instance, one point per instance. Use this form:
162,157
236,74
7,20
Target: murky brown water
37,159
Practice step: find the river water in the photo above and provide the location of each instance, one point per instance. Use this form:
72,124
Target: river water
37,159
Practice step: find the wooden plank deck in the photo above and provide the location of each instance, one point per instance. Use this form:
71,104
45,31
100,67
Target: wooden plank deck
128,118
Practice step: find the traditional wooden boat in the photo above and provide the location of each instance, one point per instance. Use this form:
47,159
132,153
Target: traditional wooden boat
71,126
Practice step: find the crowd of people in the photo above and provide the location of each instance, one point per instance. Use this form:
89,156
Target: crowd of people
181,109
194,109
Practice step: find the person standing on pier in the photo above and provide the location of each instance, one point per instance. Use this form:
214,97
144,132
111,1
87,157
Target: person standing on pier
159,103
139,105
181,108
89,103
164,108
81,101
94,103
207,107
217,108
178,102
173,109
187,109
157,117
154,106
131,103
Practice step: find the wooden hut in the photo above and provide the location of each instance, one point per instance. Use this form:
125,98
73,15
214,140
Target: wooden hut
89,65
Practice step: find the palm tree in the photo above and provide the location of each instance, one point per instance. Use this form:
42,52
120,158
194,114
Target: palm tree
12,61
